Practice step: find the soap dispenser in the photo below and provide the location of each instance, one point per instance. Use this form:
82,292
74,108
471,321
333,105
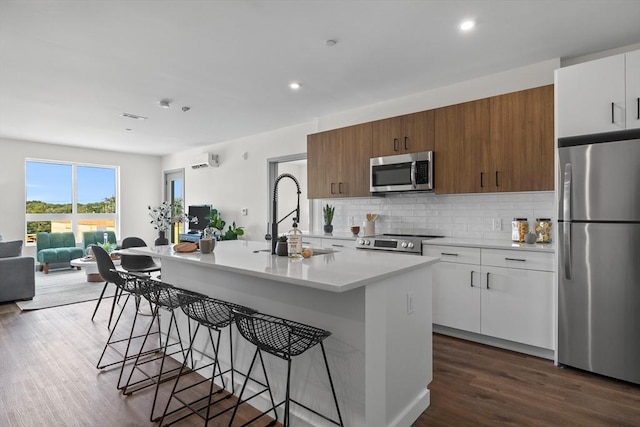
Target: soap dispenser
295,242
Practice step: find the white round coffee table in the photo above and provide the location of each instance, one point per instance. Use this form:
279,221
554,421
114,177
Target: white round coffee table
91,268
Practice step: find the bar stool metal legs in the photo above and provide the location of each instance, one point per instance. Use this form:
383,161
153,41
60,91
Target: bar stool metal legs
165,296
284,339
214,315
129,284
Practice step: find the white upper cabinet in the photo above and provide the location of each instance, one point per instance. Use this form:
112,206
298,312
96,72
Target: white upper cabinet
599,96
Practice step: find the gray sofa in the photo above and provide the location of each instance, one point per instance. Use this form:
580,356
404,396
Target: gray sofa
17,273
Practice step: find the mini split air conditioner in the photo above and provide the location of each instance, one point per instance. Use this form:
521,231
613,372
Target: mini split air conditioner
206,160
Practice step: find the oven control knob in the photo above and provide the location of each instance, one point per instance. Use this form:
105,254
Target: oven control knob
410,245
361,242
367,242
404,244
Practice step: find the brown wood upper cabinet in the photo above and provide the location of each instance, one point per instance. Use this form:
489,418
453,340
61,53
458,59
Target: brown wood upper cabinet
522,140
462,139
411,133
502,143
338,162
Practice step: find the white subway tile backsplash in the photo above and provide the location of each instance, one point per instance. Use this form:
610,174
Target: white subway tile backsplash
467,215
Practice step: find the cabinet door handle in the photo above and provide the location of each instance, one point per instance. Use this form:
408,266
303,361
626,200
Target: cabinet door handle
612,114
515,259
638,108
497,182
471,282
481,179
448,253
405,143
340,187
487,280
332,192
395,144
338,246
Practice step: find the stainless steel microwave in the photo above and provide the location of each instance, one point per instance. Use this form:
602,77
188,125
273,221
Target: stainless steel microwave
403,172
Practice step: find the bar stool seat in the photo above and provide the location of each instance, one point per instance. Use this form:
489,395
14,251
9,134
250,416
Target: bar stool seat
285,339
214,315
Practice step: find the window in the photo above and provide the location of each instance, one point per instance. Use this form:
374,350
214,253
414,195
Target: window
70,197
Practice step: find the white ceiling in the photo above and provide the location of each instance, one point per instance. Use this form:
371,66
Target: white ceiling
68,69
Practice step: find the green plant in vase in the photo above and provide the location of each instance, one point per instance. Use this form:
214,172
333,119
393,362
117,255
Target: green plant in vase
216,227
327,213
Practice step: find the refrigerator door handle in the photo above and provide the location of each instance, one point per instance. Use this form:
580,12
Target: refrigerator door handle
566,237
566,210
566,193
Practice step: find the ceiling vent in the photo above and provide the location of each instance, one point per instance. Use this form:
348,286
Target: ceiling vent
206,160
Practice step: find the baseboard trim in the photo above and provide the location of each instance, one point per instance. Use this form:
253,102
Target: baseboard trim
495,342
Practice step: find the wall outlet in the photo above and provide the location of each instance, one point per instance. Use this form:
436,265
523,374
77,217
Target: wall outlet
245,211
409,302
497,224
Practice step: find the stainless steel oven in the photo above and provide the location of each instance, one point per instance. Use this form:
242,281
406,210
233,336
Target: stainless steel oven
410,244
403,172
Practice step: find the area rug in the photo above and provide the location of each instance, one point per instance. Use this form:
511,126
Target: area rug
64,287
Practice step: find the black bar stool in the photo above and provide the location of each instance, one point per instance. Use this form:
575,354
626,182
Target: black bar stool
161,296
284,339
129,284
214,315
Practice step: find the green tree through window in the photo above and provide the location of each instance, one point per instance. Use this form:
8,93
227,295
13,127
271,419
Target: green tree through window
69,197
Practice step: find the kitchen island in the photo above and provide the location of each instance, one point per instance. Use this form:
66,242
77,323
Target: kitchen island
377,306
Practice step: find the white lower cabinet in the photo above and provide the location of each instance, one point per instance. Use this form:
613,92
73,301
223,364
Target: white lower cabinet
506,294
456,303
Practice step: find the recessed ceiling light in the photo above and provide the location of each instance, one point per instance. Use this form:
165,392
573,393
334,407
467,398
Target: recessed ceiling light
330,43
165,103
467,25
294,85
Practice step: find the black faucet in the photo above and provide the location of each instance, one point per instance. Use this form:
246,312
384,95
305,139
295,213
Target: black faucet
274,212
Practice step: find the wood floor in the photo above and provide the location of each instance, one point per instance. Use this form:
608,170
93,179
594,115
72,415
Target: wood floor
48,378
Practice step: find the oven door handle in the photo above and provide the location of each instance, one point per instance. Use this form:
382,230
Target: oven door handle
414,170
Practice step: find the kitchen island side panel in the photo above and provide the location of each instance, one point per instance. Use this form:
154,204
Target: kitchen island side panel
357,350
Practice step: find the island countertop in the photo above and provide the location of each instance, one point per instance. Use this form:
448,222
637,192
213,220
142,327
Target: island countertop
338,271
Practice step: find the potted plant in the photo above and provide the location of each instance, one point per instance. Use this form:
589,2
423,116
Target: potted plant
327,213
216,228
281,246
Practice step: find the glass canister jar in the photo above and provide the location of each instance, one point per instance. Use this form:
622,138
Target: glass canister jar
543,230
519,229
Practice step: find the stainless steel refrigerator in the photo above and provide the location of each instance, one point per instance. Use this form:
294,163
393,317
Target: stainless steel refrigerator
599,254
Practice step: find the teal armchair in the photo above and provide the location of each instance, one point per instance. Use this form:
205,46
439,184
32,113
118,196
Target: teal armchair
56,248
94,237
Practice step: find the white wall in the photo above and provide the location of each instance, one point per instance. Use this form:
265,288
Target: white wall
240,183
140,185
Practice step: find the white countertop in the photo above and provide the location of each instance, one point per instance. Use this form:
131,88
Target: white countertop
491,244
336,272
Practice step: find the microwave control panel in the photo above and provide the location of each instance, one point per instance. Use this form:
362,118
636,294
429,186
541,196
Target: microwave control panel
422,172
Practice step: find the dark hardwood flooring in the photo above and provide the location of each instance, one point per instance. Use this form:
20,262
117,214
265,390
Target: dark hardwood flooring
48,378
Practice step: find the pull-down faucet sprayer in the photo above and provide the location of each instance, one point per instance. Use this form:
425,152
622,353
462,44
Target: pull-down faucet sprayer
274,211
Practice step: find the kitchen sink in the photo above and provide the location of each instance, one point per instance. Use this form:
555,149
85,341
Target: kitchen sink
316,251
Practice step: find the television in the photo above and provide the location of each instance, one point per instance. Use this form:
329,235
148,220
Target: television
202,213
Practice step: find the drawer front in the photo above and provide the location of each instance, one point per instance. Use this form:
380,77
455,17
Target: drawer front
338,244
456,254
526,260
